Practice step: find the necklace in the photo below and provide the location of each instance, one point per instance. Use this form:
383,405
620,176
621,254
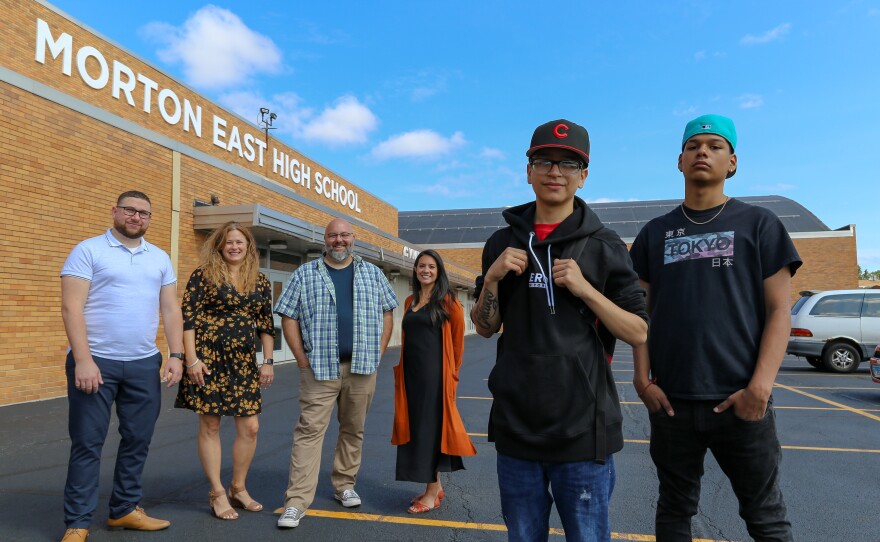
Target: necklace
710,220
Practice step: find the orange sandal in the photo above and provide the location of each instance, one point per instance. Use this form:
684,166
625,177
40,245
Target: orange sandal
417,497
419,508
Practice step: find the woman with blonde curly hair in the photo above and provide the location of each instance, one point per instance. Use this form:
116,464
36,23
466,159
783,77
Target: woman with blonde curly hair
227,299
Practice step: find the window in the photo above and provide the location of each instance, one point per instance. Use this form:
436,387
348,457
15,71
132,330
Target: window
798,304
841,305
871,308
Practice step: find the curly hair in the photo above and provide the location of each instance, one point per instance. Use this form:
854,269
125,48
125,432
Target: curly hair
214,267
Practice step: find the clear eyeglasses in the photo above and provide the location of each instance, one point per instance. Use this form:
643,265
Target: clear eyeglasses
131,211
566,167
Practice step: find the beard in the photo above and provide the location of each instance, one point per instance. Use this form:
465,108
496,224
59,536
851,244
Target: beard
125,230
340,257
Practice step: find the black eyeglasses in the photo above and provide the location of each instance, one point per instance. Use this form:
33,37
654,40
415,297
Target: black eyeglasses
566,167
131,211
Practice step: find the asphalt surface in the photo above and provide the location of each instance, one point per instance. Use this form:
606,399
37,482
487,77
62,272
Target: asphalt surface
828,426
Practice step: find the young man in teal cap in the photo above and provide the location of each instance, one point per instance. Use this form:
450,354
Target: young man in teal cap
718,276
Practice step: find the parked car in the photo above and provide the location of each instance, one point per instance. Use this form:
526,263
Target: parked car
835,329
875,365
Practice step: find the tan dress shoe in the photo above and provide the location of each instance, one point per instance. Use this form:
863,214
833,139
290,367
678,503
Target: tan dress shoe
138,520
75,535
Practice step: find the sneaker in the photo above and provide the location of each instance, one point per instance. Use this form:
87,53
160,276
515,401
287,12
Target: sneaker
348,498
290,518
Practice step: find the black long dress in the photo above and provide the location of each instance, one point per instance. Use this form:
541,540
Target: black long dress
420,459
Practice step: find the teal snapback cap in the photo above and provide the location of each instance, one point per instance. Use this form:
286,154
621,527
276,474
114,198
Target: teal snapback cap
710,124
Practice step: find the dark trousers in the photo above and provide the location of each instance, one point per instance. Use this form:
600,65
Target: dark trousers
135,387
747,452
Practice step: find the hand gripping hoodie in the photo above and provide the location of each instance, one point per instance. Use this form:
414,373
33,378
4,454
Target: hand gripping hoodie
554,395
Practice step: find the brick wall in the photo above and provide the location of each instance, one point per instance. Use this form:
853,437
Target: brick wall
60,174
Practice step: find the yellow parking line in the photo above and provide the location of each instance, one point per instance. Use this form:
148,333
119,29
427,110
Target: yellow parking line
829,402
457,524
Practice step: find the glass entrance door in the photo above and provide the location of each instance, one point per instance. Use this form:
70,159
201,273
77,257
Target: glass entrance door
278,279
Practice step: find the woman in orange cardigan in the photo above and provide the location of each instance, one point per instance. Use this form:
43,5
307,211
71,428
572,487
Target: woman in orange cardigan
428,430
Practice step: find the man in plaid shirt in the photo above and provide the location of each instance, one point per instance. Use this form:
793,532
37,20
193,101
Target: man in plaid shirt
337,319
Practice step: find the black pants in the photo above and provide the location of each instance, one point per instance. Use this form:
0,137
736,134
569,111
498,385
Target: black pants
747,452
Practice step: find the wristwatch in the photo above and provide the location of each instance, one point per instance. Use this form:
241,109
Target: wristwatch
268,361
178,355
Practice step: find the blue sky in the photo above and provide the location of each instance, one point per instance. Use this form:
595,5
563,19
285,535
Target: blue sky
432,105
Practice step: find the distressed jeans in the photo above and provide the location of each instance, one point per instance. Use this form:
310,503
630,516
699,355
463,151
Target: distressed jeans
581,490
747,451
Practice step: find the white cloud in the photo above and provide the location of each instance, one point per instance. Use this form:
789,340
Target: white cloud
750,101
700,55
682,111
347,121
771,35
492,154
418,144
216,49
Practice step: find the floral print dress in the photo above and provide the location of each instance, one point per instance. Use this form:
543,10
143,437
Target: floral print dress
224,321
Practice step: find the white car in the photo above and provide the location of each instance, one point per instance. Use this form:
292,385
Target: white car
835,329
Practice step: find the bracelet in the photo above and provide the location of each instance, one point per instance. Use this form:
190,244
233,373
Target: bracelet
650,383
193,364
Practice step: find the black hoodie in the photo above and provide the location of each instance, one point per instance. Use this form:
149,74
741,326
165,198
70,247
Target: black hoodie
554,395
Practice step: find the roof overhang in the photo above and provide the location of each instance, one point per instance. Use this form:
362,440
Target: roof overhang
302,237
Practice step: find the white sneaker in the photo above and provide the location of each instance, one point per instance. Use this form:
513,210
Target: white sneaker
290,518
348,498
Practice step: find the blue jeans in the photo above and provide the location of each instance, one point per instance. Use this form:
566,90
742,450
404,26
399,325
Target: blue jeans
135,388
581,489
747,451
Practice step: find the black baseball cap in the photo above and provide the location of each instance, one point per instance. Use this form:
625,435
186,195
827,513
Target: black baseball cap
562,134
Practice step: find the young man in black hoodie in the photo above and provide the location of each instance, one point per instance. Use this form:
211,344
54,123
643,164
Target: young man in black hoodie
718,273
563,287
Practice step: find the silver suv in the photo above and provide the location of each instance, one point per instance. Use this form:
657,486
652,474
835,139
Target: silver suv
835,329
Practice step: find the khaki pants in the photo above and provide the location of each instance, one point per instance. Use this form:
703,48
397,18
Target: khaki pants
353,393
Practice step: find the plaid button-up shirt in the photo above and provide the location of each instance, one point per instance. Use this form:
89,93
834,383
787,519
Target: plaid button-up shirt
310,298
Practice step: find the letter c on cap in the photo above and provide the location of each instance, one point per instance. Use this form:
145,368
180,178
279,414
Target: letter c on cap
559,131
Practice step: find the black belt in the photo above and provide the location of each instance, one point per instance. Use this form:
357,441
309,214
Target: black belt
344,359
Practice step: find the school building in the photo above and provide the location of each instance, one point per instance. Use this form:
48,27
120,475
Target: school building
82,119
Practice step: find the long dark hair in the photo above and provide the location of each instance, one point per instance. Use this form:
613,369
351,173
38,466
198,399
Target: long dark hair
440,292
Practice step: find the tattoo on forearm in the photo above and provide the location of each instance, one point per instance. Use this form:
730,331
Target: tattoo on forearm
487,309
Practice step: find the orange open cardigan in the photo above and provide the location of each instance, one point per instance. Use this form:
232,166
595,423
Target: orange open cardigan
454,440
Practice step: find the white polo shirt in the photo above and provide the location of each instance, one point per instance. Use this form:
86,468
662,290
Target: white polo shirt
122,309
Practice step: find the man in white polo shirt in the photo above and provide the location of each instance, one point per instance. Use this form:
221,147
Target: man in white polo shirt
113,288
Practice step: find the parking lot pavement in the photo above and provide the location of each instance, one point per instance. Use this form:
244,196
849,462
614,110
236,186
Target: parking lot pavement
828,427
